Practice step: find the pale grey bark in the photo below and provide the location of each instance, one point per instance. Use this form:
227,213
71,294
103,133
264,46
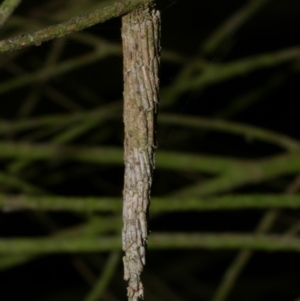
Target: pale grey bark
141,50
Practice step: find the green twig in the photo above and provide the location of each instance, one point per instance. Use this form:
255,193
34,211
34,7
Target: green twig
67,136
15,183
236,173
56,69
95,226
105,277
242,102
75,24
32,99
230,26
6,9
240,261
7,262
10,203
112,156
253,173
73,132
210,74
100,114
105,112
160,241
248,131
235,268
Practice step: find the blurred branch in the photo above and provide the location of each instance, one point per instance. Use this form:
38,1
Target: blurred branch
100,114
67,135
242,102
95,226
75,24
32,99
209,74
107,273
240,261
157,241
7,261
6,9
232,24
93,40
9,203
57,69
258,171
236,173
19,184
235,268
248,131
105,112
111,155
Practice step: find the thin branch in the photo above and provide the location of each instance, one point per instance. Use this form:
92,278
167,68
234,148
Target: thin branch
248,131
210,74
7,8
111,155
11,203
100,114
245,100
236,173
7,261
107,112
15,183
240,261
107,273
57,69
75,24
66,136
257,172
95,226
162,241
232,24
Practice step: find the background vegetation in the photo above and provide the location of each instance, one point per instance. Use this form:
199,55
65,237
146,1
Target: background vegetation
227,178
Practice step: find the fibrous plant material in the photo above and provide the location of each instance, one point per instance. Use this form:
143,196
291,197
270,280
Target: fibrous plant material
141,50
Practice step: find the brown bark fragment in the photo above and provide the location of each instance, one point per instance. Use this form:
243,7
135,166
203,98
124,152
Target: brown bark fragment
141,38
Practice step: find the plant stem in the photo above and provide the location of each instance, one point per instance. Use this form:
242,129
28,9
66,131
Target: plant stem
141,52
6,9
105,277
161,241
10,203
75,24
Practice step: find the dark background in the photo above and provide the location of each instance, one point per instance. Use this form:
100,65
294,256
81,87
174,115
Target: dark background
186,25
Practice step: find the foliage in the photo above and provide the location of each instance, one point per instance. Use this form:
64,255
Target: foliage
227,165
